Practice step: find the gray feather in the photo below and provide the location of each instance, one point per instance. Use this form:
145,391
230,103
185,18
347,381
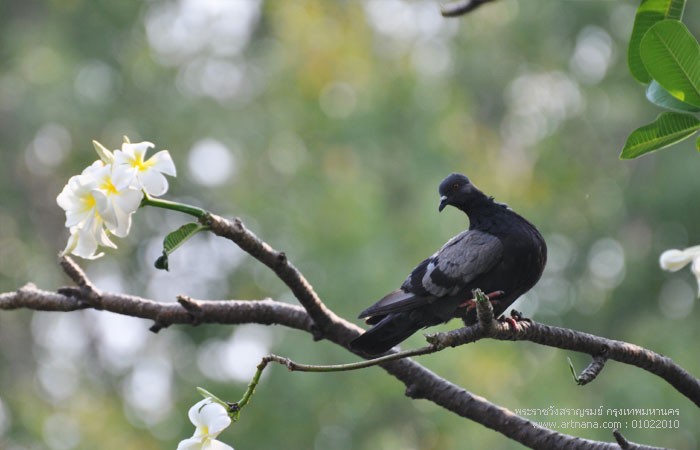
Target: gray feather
459,261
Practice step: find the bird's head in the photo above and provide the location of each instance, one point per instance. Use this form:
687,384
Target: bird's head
458,191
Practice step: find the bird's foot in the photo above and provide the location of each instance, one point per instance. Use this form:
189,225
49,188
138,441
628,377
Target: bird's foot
514,319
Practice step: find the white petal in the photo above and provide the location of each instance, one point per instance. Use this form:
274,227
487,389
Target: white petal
124,176
215,417
82,186
129,200
67,199
72,242
696,271
190,444
137,150
122,225
210,416
694,251
105,209
194,412
213,444
674,260
153,182
74,218
85,245
95,226
104,240
78,187
124,204
122,158
93,169
163,162
76,199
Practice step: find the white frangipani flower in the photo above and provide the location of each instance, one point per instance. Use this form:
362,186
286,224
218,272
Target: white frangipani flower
131,168
211,419
674,259
101,200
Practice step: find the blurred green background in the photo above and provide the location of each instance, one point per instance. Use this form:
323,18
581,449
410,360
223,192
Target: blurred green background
327,126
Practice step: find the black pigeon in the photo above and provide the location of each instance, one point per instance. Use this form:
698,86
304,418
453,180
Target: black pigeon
501,251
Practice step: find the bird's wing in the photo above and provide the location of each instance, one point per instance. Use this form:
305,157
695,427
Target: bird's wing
394,301
445,273
458,262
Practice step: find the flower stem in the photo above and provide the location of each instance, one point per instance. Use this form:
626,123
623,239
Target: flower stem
175,206
240,404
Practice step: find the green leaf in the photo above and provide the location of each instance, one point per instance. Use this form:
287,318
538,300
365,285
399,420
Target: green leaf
649,13
672,56
162,262
175,239
667,129
661,97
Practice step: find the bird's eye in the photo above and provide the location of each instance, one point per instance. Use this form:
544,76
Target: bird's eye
455,186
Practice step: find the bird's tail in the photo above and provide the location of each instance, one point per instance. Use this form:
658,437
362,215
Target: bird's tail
388,332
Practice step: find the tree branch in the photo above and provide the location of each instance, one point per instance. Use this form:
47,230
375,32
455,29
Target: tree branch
266,312
599,348
319,320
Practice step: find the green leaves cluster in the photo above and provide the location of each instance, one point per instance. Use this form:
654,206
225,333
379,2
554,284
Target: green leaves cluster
666,56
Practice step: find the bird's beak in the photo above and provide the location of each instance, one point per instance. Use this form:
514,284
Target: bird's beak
443,203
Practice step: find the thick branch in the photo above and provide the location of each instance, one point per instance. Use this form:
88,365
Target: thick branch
267,312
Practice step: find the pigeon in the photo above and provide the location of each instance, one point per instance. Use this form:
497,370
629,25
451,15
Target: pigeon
501,251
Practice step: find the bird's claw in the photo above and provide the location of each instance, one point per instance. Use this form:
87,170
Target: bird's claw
518,316
512,321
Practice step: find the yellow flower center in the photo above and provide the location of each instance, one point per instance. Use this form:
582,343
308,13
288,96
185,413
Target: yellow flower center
108,187
88,202
139,164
